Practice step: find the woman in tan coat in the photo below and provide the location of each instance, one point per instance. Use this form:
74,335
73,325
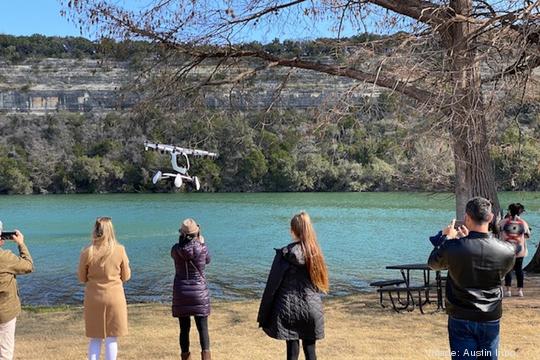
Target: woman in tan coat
103,267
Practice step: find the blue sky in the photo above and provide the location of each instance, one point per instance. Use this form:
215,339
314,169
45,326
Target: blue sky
27,17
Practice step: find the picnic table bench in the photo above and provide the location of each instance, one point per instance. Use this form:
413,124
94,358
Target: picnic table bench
385,284
410,291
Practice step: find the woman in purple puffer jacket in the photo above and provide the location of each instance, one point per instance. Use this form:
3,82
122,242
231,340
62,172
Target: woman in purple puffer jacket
190,290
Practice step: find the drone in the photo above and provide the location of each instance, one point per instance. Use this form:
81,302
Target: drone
181,174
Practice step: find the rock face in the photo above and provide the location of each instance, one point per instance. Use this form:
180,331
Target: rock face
63,84
84,85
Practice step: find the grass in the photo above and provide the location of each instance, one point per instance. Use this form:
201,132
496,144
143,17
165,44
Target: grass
46,309
356,328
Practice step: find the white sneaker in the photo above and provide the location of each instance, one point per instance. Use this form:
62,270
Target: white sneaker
507,293
520,292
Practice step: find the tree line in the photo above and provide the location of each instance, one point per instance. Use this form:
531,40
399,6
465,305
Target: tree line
374,147
15,49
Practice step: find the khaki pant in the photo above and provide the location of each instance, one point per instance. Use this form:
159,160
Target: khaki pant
7,339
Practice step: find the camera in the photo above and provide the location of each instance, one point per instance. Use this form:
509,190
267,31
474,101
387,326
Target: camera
7,235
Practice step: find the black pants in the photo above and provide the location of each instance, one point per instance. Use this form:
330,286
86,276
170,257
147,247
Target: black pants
518,268
202,328
293,349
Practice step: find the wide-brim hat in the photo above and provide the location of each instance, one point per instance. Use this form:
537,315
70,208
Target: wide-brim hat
189,227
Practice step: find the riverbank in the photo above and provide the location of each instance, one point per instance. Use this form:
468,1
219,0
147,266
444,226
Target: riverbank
356,328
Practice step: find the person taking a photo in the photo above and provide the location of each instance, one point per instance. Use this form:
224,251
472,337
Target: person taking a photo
11,265
191,297
476,263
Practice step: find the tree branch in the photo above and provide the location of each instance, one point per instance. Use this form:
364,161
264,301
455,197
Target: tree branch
531,36
265,11
421,10
384,80
520,66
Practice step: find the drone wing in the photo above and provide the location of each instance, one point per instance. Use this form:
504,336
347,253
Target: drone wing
158,147
194,152
177,149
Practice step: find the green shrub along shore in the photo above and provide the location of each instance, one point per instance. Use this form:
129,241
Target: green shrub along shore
379,144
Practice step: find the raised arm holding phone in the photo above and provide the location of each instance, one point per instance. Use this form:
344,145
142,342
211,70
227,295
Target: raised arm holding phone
454,230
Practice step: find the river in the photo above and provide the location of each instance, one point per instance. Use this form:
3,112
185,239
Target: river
360,234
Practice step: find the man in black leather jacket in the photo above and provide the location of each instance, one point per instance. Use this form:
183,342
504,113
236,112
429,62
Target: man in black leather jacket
476,263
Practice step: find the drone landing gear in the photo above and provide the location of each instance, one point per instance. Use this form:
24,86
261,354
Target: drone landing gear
196,183
156,177
178,179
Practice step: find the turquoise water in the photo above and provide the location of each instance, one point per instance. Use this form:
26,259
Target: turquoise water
360,234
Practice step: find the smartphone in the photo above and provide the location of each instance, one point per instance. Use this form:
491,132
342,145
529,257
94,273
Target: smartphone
458,224
7,235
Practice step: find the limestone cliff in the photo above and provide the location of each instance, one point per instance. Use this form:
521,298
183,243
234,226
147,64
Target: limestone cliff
88,85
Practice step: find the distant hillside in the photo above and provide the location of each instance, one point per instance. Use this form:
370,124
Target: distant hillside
68,124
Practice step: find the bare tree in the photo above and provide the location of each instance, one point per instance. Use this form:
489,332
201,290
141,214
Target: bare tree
454,58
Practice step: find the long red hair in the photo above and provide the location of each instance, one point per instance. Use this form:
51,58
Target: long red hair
302,228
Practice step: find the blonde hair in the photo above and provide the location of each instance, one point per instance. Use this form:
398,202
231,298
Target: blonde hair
302,228
103,241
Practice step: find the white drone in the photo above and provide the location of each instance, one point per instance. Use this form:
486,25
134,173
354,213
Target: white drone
181,174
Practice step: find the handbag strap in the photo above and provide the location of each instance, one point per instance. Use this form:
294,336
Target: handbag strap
197,268
192,264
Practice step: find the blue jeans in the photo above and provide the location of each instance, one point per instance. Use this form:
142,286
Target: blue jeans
473,339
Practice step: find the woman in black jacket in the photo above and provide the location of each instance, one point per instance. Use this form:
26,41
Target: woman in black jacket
291,307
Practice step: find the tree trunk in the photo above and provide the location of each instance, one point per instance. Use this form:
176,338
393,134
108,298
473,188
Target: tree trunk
474,170
474,173
534,265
